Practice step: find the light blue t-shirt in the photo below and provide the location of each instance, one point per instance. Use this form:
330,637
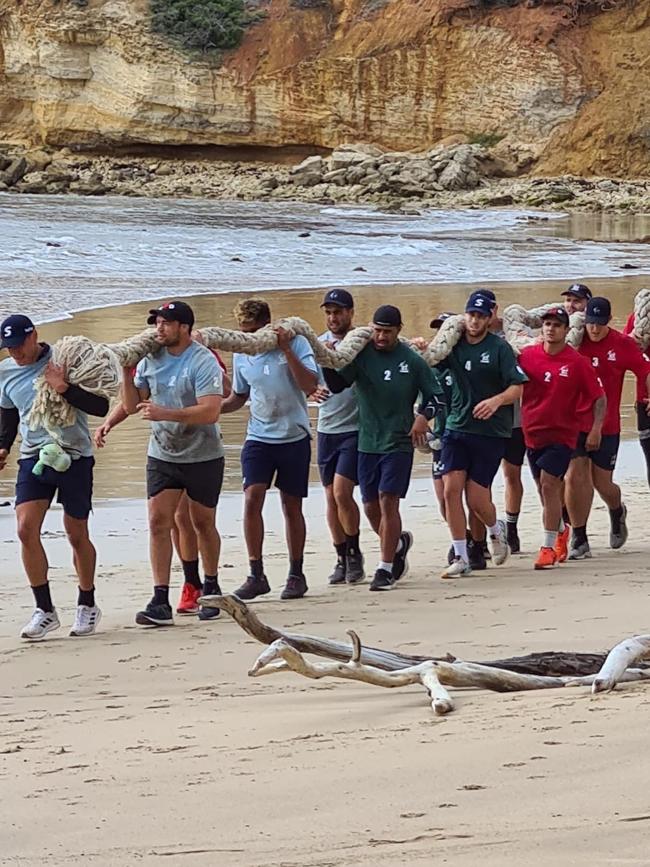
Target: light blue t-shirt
178,381
340,412
278,408
17,392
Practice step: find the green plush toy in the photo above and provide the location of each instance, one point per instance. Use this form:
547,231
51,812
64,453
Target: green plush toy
52,455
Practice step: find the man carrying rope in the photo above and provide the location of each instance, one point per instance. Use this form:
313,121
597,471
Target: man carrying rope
576,298
486,381
611,354
388,376
338,442
35,492
558,376
278,442
179,390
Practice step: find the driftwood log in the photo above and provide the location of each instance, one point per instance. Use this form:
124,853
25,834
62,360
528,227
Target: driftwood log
554,669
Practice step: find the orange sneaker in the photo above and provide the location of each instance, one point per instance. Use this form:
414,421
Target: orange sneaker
188,603
562,544
546,559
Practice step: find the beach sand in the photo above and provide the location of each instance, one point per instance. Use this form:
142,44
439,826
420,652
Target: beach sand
154,747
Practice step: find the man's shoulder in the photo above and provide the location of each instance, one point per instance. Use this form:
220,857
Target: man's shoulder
7,365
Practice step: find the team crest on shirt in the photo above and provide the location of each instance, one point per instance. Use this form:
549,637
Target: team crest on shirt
403,367
485,358
611,355
564,370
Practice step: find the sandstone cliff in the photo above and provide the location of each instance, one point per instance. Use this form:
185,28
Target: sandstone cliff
575,95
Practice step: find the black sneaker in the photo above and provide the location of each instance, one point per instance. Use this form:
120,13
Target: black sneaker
475,556
206,613
451,555
253,587
383,580
354,571
155,614
338,575
513,538
485,548
400,561
295,588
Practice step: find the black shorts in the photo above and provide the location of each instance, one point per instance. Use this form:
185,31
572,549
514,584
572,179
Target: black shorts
515,448
605,456
384,474
287,463
338,454
553,459
642,421
74,487
479,456
201,481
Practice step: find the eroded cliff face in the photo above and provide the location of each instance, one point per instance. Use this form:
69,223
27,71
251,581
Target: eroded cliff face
398,73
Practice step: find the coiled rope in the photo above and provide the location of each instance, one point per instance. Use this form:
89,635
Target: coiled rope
641,331
518,324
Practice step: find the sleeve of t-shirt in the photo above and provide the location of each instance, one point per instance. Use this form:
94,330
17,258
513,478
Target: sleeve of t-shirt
5,400
510,370
240,384
208,376
301,348
429,383
140,378
629,325
635,360
350,372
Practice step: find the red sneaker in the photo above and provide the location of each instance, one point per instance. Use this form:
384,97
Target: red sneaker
546,559
188,603
562,544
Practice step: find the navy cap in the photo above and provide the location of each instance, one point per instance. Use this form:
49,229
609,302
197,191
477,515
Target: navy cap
340,297
488,293
579,290
598,312
557,313
440,318
479,302
174,311
388,316
15,330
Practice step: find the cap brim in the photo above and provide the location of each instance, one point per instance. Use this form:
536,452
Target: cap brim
13,342
386,324
562,319
574,294
336,304
596,320
481,310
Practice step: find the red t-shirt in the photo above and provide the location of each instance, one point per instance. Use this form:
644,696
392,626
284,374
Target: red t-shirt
556,385
641,390
611,358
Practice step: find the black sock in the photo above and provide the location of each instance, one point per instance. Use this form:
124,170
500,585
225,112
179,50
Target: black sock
86,597
42,597
211,585
341,550
256,568
615,516
512,518
161,595
191,573
352,544
565,516
580,535
295,567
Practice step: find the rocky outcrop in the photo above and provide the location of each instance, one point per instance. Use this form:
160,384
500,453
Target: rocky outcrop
398,73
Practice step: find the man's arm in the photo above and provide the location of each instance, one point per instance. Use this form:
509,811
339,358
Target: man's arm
206,411
486,408
305,377
233,402
599,409
117,415
9,421
131,396
79,398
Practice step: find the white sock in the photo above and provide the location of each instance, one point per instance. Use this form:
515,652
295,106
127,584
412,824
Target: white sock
549,538
562,526
494,531
460,549
388,567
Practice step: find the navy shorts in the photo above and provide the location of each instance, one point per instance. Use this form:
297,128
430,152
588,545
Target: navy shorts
74,487
201,481
338,454
435,466
515,448
553,459
605,456
479,456
384,474
286,463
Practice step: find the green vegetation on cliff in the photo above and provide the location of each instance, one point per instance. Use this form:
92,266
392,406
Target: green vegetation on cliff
201,25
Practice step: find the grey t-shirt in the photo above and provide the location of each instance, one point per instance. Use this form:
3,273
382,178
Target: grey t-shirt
340,412
178,381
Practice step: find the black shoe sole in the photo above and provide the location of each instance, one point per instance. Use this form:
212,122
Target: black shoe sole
247,598
383,587
143,619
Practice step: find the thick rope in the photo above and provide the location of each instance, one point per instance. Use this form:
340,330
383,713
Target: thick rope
641,332
518,324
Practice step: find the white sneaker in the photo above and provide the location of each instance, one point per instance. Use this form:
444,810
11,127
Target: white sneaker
500,549
458,568
86,620
41,623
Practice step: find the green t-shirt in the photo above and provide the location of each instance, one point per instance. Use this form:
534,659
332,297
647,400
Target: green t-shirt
388,384
479,371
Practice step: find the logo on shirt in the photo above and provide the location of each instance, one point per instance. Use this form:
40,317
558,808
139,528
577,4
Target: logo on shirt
403,367
611,355
564,370
485,358
266,370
